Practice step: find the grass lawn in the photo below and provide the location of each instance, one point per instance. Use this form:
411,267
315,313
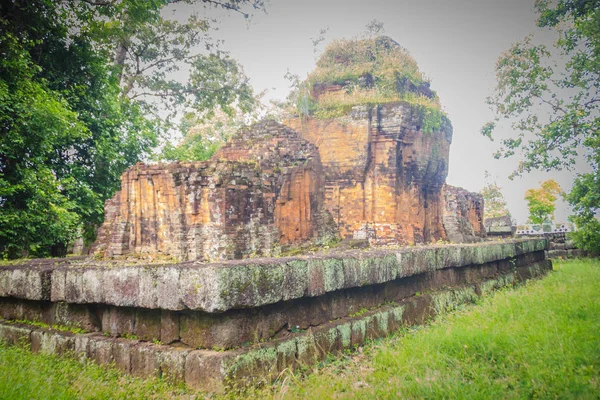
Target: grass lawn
541,340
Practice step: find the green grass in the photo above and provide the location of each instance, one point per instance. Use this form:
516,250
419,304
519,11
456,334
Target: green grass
24,375
541,340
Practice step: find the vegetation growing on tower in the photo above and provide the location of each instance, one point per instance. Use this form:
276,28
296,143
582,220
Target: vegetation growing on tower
370,71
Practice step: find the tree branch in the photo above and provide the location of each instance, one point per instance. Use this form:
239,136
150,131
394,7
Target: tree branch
100,2
226,6
181,92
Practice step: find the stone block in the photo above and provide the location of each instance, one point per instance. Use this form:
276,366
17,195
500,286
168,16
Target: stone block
5,282
145,360
11,309
307,352
205,370
58,289
76,315
167,288
93,286
118,320
286,354
147,325
100,349
328,340
122,286
50,342
74,286
172,363
148,294
81,345
18,285
358,332
15,335
417,310
62,343
448,256
169,326
122,354
252,366
194,330
295,279
193,289
37,339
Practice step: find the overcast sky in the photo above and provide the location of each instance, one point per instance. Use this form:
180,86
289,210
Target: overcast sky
455,42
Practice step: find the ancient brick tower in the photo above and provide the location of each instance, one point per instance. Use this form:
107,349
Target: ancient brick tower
363,156
384,144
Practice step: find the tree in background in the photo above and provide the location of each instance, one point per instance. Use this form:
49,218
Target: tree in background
81,86
203,137
585,198
494,201
554,105
542,201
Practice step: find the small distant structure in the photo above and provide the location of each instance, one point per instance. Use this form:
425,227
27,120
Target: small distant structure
546,227
500,226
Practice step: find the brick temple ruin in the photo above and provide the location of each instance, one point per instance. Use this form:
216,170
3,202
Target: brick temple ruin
184,284
379,180
372,173
262,190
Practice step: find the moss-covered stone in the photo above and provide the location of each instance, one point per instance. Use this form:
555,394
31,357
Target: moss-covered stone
450,299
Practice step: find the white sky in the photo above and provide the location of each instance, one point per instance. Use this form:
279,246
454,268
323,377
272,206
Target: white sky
455,42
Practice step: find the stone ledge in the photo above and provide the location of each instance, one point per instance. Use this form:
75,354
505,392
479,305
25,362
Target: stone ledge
214,371
240,327
243,284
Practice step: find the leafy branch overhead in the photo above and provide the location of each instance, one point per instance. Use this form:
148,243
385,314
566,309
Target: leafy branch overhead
552,102
551,97
150,50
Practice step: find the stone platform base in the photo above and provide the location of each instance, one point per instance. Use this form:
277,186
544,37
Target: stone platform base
214,371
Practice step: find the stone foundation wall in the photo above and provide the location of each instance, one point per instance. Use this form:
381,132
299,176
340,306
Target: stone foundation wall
261,315
234,328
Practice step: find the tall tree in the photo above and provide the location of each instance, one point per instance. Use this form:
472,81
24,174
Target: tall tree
74,113
552,96
150,49
542,201
203,137
495,203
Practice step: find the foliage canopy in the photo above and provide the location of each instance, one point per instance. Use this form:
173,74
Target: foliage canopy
552,97
495,203
78,87
542,201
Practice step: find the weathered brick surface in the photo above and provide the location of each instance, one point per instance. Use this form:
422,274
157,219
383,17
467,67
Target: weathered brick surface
261,190
384,176
373,174
462,215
